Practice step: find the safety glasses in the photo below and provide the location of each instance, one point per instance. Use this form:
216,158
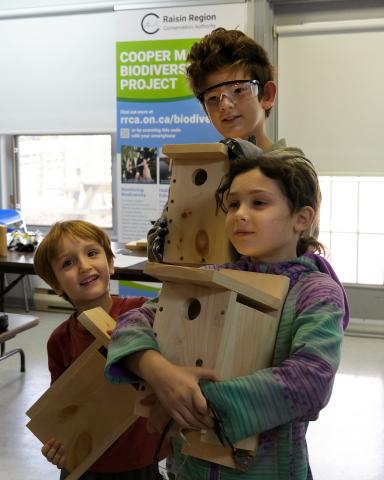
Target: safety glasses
234,90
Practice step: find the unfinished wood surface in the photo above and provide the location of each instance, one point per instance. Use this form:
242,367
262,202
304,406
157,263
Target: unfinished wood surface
214,452
189,323
99,323
143,392
54,392
191,151
3,241
196,231
85,411
82,409
218,320
262,290
137,244
214,339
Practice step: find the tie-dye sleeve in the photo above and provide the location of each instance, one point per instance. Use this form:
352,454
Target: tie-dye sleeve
133,333
300,383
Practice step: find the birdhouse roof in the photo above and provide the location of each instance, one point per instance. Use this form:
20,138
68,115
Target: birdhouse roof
204,151
260,290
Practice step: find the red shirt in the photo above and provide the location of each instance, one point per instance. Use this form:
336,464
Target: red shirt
136,448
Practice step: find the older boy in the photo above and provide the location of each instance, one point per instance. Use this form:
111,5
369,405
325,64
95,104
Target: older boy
232,77
76,260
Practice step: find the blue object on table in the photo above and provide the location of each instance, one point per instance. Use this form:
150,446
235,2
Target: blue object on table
12,220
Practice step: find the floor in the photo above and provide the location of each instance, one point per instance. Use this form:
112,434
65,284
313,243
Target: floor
346,443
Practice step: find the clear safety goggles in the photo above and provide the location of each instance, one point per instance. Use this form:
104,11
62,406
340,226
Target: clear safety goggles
235,90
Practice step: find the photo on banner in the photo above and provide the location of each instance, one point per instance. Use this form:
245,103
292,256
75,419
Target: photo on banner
155,105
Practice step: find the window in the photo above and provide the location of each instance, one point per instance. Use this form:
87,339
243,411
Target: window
65,177
352,227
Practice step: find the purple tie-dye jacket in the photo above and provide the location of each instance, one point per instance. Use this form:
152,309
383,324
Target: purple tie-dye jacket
275,402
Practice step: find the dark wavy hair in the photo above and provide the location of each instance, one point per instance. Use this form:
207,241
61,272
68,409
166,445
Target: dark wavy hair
297,180
223,48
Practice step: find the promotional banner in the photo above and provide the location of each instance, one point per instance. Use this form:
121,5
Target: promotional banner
155,105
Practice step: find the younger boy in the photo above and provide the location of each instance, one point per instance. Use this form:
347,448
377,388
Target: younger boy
76,260
233,78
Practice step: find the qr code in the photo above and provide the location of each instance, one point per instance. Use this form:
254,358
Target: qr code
124,133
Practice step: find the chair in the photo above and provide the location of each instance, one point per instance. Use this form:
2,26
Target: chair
15,324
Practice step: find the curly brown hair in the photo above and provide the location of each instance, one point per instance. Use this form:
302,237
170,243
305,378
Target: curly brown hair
223,48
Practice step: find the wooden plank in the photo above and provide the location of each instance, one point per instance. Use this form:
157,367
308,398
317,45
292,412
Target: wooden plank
271,285
3,241
99,323
246,344
190,342
196,230
137,244
85,411
263,290
143,392
214,451
82,409
56,388
208,151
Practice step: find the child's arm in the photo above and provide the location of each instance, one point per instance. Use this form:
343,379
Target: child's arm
133,354
177,388
307,355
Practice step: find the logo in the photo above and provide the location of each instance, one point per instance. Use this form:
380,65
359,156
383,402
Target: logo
150,23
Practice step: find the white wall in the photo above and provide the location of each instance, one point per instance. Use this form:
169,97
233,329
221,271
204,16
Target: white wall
58,64
364,302
330,78
58,74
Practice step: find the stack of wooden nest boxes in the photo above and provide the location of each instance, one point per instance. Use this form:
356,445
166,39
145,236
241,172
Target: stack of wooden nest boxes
221,319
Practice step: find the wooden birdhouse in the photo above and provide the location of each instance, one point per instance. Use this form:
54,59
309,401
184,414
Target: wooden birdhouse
82,408
226,320
196,229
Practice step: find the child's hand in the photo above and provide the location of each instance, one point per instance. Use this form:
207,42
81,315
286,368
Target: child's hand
158,419
178,390
53,451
